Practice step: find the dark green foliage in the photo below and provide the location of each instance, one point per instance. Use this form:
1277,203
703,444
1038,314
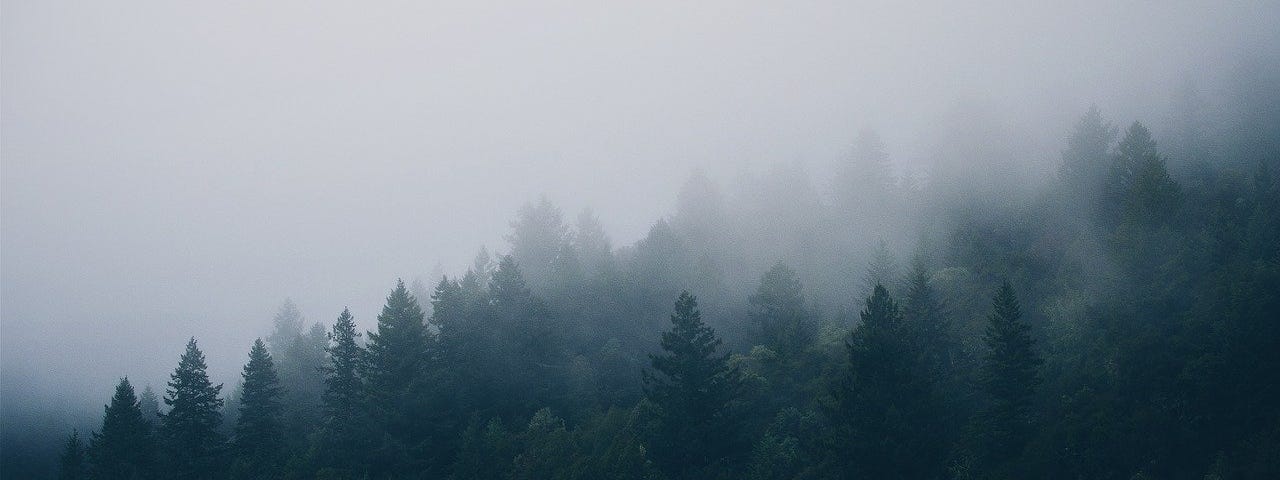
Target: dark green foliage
400,356
150,405
1010,375
194,448
344,438
693,390
786,326
887,417
72,465
1139,189
124,448
258,437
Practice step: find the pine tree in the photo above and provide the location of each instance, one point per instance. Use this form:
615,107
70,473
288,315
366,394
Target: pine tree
150,404
72,462
1009,375
194,447
398,359
693,390
887,416
1084,162
258,436
926,323
344,396
1139,189
124,448
786,326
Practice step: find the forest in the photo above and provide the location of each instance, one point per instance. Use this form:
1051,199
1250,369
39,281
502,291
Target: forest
1117,322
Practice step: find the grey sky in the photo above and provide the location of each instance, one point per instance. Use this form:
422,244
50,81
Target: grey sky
175,169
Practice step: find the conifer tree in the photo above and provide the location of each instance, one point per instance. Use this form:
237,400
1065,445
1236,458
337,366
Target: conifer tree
1139,188
124,448
194,447
887,416
398,359
150,404
344,396
72,463
786,326
693,390
258,437
1084,162
926,323
1009,375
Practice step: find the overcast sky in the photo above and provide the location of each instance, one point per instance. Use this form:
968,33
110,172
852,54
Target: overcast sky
176,169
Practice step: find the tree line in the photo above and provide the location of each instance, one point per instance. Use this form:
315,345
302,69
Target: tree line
1118,324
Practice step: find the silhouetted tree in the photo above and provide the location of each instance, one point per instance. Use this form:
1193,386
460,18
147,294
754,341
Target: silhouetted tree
396,370
344,439
150,405
72,463
124,448
1010,375
887,417
258,436
193,446
693,389
785,324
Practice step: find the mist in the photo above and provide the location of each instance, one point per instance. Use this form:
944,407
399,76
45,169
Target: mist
175,171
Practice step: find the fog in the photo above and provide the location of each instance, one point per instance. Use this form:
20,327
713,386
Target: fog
174,170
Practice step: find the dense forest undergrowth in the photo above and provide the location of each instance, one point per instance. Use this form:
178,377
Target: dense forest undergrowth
1119,323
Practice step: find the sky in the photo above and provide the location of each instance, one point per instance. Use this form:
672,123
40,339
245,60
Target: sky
178,169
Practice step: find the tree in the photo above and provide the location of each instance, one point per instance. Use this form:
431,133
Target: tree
258,435
150,405
1084,162
72,462
538,235
926,322
344,397
397,366
1139,189
1009,375
194,447
886,416
124,448
693,390
786,327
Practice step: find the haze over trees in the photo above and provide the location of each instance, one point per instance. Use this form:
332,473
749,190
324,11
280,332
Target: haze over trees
1003,350
648,241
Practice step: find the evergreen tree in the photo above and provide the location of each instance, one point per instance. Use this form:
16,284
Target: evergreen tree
344,396
73,465
398,359
194,447
258,436
786,326
538,235
150,404
124,448
926,323
887,417
693,390
1010,375
1084,162
1139,189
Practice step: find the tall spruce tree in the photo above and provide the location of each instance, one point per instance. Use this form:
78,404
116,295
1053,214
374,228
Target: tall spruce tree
150,405
398,359
72,462
887,415
344,439
786,326
1009,375
124,448
193,445
693,390
258,438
